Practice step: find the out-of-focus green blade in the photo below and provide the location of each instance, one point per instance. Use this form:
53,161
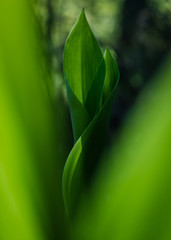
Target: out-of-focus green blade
88,149
30,190
84,70
131,197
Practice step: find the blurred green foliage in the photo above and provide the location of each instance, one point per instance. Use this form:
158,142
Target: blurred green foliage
130,197
31,135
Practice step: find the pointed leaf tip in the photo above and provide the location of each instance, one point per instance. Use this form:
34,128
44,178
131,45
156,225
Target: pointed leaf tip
82,18
107,52
82,11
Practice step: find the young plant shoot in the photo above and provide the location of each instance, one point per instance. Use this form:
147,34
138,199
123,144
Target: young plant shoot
91,81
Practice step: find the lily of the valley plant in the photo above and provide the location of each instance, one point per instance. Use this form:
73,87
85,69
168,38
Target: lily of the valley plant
91,81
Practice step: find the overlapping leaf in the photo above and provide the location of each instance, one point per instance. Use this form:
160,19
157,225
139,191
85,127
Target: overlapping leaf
91,80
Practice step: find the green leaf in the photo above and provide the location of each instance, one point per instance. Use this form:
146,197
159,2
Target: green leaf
112,75
79,115
87,150
84,70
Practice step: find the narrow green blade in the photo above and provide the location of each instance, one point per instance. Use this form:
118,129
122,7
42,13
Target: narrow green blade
30,170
